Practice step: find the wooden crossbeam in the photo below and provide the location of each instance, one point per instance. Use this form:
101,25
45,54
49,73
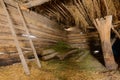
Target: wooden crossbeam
22,58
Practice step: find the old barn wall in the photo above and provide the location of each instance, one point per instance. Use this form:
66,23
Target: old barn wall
45,31
83,41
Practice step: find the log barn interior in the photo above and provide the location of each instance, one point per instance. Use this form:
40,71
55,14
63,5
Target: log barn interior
54,37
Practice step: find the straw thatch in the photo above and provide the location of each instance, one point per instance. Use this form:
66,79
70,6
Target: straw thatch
79,13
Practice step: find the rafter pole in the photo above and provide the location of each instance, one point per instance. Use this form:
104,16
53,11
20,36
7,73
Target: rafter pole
28,33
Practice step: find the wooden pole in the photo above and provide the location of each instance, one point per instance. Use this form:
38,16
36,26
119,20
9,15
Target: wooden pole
22,58
104,26
30,40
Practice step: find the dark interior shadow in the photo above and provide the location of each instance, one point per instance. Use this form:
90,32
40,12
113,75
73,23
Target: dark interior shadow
95,50
116,51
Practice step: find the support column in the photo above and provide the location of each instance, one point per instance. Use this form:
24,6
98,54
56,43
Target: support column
104,26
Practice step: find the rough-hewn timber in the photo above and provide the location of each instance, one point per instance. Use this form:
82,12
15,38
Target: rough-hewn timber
104,26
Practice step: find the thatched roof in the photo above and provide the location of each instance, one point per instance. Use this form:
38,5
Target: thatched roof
80,13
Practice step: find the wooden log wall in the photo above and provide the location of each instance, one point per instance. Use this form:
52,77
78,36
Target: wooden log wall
83,41
44,31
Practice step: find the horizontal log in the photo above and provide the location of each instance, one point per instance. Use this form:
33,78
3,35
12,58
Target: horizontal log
47,51
8,59
80,46
61,57
50,56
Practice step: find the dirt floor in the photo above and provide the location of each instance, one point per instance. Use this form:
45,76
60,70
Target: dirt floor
69,69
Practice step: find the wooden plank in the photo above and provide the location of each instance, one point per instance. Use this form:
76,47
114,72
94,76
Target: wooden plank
25,66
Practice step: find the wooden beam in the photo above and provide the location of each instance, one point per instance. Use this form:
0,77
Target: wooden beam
103,26
35,3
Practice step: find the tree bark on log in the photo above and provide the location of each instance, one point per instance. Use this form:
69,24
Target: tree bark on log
104,26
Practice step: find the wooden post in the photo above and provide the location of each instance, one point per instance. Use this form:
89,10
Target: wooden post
104,26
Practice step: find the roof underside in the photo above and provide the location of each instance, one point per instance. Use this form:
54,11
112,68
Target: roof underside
79,13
